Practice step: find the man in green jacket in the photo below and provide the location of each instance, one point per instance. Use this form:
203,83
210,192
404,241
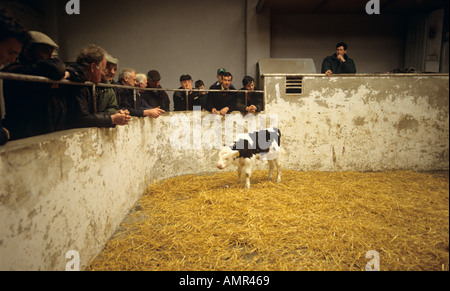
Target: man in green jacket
339,63
106,97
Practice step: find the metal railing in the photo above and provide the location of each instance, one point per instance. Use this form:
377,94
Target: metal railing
38,79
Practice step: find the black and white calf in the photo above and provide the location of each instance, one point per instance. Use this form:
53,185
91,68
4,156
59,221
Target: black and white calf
263,144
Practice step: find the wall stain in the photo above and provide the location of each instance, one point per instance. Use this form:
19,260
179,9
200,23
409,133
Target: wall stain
359,121
334,156
407,122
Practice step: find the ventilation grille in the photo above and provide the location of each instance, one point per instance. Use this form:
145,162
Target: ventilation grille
294,85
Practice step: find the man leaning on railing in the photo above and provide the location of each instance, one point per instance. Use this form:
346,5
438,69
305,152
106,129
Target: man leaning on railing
130,100
224,102
12,38
34,108
91,63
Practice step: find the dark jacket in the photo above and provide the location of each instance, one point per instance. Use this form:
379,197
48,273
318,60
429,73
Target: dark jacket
33,108
79,102
157,99
217,83
220,100
253,98
179,100
199,99
126,101
337,67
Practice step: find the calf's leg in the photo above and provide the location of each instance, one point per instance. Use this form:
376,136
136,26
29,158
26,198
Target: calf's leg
240,172
248,172
278,166
271,168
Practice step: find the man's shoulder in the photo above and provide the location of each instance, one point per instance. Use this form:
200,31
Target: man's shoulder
178,93
331,58
347,58
216,87
15,68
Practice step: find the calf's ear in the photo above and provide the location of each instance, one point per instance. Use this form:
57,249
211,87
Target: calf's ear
236,154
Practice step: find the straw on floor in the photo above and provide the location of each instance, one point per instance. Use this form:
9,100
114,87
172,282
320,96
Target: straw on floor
311,221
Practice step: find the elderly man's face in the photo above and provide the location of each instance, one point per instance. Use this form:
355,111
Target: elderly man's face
39,52
9,50
110,72
143,83
97,72
131,80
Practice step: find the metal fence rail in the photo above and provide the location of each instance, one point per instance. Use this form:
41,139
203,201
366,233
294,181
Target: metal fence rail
38,79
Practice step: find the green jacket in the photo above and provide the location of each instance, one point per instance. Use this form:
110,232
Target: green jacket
107,101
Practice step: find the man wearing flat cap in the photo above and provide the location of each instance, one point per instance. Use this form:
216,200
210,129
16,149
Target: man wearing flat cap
181,102
156,98
34,108
106,97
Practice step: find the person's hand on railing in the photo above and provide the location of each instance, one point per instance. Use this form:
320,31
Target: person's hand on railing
7,133
154,113
66,75
251,109
121,118
224,111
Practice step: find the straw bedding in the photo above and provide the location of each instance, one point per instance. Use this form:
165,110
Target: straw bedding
311,221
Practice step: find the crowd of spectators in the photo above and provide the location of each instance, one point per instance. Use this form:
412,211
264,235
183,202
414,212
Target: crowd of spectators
34,108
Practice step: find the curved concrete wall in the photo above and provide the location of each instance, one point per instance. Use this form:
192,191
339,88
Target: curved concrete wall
364,122
70,190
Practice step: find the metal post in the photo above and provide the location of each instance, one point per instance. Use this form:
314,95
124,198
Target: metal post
94,97
246,99
134,98
187,100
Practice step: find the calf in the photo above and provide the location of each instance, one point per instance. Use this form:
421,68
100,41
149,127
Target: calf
263,144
